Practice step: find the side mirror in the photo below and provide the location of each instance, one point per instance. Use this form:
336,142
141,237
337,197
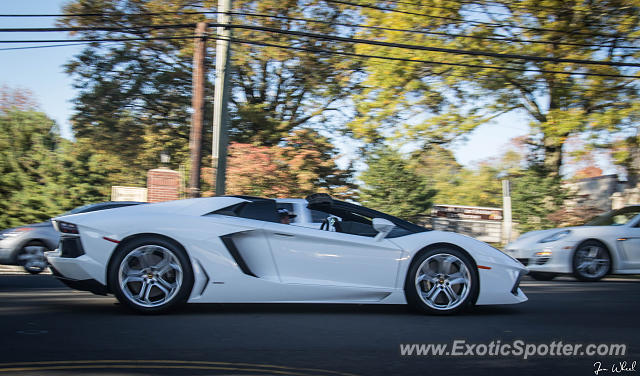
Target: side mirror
383,226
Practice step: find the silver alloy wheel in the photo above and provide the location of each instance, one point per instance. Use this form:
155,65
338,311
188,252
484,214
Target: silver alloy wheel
592,261
150,276
32,258
443,281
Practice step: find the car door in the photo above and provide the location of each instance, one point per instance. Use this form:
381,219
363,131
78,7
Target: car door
311,256
630,242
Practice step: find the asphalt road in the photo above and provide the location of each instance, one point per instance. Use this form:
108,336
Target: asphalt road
47,329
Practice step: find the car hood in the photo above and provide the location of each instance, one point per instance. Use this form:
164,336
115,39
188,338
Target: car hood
35,225
535,236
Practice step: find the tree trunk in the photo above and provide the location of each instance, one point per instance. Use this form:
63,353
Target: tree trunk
552,156
633,168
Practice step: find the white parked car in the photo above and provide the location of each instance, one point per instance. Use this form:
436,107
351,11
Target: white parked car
235,249
608,244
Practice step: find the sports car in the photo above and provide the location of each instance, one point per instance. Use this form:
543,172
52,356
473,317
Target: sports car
608,244
230,249
25,245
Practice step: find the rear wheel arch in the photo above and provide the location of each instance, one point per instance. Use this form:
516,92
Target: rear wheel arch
124,242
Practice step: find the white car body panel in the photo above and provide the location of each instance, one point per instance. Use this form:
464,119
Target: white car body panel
289,263
622,241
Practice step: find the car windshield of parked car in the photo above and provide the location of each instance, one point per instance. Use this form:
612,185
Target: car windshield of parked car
615,218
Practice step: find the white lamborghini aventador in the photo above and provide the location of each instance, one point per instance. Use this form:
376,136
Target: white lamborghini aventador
234,249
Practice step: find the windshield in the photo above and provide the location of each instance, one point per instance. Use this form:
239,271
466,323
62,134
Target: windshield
616,217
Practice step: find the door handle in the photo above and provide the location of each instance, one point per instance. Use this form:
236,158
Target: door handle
281,234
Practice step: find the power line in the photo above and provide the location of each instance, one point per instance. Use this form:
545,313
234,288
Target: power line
191,25
93,28
375,43
437,49
454,35
343,53
97,39
108,14
317,50
501,4
47,46
460,20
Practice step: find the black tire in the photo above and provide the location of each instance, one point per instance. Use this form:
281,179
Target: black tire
542,276
28,250
415,299
182,289
603,253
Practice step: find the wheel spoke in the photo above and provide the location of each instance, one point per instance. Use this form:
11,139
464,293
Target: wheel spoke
445,264
431,294
130,279
164,290
451,296
143,290
166,284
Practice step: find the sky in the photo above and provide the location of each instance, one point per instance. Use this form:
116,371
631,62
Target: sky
42,72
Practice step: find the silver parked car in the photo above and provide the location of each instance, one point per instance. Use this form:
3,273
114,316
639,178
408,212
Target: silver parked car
25,245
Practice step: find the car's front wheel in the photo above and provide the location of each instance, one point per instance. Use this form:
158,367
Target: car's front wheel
442,281
31,257
591,261
151,275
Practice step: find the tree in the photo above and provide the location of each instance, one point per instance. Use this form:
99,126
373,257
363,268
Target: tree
304,163
389,185
437,103
43,175
626,153
135,95
28,168
12,99
535,195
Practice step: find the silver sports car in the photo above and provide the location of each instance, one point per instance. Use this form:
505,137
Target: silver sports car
25,245
608,244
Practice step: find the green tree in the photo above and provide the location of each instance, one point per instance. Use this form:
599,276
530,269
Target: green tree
436,103
135,96
29,168
535,195
389,185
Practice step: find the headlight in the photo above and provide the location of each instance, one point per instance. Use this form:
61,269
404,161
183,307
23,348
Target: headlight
15,232
556,236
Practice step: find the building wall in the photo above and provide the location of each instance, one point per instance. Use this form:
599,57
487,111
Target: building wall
596,192
163,184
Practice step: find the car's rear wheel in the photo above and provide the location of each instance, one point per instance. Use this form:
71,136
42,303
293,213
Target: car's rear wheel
442,281
591,261
542,276
31,257
151,275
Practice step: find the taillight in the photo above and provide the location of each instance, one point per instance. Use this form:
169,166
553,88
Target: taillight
67,228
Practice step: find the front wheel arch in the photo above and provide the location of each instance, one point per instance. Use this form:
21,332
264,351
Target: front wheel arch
438,245
131,238
614,260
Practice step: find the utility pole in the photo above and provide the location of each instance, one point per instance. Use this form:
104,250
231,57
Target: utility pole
197,103
506,211
220,107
